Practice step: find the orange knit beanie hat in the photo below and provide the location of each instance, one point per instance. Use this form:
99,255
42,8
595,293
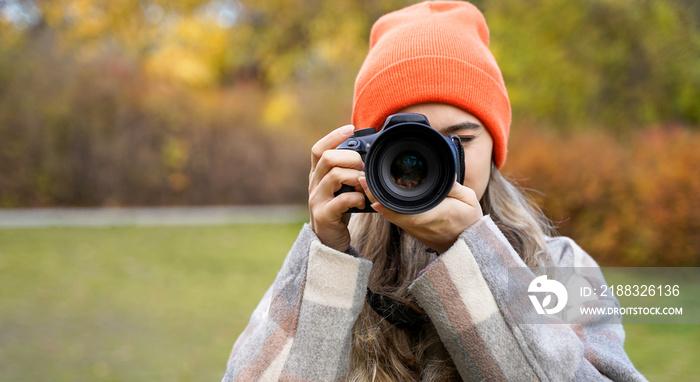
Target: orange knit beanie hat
433,52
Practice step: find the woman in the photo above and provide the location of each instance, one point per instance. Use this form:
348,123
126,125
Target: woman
394,297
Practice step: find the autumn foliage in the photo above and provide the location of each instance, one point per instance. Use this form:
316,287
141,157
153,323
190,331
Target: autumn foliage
632,200
199,102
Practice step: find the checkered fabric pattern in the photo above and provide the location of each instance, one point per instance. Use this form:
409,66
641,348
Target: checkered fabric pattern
302,328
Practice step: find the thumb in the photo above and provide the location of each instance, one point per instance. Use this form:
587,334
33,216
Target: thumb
463,194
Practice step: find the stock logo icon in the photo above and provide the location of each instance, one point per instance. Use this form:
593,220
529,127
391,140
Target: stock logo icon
553,287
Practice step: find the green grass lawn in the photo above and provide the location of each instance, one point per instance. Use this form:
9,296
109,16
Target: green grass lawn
166,304
130,304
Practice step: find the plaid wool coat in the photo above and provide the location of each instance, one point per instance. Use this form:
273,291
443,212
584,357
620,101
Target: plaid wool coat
302,328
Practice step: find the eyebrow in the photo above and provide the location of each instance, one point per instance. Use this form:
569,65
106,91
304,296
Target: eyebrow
461,126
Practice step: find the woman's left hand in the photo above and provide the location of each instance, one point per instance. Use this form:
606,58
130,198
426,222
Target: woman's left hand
439,227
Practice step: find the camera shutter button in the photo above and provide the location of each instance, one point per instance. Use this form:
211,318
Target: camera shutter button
352,143
365,132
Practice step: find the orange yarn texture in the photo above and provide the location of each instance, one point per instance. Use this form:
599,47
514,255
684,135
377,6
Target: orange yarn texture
433,52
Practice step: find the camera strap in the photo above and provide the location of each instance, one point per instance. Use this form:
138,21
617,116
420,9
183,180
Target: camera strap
460,154
401,314
396,312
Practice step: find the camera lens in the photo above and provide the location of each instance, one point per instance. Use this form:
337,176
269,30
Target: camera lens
408,170
410,167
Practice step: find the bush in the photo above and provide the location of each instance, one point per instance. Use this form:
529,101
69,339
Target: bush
108,110
632,201
97,133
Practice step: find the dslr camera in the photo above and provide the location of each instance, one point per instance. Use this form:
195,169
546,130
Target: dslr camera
410,167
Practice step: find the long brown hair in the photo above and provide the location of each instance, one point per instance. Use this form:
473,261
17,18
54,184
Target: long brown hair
383,352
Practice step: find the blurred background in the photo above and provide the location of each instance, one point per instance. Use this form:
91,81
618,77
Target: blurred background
207,103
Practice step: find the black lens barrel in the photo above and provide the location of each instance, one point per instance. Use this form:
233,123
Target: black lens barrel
411,167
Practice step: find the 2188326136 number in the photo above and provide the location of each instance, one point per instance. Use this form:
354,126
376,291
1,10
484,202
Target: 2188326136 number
640,290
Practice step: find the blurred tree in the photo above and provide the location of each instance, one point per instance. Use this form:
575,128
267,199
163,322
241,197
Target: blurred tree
137,102
595,62
272,40
618,64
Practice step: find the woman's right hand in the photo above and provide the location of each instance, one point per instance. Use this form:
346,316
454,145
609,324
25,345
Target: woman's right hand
330,169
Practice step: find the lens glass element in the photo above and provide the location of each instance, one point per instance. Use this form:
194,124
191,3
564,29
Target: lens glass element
408,170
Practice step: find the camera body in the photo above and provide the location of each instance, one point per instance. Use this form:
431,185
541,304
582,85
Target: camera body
410,167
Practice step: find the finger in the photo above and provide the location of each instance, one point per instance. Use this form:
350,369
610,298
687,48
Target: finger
362,180
330,141
335,159
331,212
463,194
343,202
385,212
333,181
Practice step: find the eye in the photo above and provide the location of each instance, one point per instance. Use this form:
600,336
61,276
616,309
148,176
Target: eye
466,138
